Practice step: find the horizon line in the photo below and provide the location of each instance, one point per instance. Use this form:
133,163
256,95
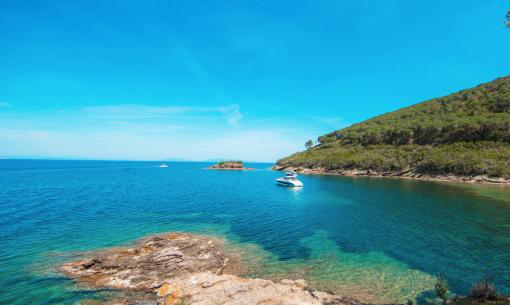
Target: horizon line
126,160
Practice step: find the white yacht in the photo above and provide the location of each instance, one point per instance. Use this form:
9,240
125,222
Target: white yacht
290,179
163,165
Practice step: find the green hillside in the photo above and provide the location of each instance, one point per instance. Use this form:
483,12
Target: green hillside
466,133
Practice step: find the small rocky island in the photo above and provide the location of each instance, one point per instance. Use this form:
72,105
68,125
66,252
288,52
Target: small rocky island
230,165
182,268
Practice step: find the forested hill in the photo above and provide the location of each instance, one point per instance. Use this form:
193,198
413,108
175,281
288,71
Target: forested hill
478,114
465,133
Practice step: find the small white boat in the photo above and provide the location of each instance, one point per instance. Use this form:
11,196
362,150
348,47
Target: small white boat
163,165
289,180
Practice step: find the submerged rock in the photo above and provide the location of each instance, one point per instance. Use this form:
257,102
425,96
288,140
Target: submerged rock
188,269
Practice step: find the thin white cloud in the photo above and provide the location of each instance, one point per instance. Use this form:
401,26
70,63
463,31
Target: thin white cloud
122,132
257,145
135,111
336,122
232,114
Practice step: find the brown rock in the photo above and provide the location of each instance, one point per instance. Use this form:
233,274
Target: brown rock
150,262
229,165
187,269
206,288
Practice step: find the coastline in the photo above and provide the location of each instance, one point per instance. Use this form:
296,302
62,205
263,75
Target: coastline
178,268
409,174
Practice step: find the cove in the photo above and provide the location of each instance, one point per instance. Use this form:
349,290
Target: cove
380,240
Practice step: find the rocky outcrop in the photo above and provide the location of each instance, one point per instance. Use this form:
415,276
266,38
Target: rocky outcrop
151,261
230,165
409,174
186,269
211,289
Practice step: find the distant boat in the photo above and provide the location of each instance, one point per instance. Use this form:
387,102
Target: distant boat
289,180
163,165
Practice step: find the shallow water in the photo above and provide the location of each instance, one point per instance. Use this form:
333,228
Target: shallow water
380,240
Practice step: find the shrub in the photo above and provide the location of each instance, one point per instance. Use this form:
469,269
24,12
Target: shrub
483,290
441,287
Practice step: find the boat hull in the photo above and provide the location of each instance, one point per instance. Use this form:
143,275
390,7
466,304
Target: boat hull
286,182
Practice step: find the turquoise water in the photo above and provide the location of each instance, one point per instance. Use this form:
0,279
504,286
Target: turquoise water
381,240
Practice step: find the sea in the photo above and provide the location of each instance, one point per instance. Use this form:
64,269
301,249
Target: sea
379,240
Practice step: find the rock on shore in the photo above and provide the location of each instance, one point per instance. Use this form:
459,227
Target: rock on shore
150,262
211,289
182,269
408,173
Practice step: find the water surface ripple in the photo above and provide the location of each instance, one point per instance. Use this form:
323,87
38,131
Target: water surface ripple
381,240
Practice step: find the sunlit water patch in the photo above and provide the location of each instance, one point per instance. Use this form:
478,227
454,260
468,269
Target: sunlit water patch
371,277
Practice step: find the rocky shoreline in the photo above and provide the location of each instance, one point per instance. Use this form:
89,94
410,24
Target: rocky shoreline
186,269
408,174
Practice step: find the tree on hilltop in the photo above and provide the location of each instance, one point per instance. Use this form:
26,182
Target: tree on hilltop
309,144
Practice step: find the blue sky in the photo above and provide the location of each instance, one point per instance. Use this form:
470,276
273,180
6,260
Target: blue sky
249,80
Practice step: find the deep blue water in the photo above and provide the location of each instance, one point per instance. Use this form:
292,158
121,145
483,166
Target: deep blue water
348,232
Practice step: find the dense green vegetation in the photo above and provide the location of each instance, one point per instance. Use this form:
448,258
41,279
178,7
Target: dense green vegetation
230,162
466,133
